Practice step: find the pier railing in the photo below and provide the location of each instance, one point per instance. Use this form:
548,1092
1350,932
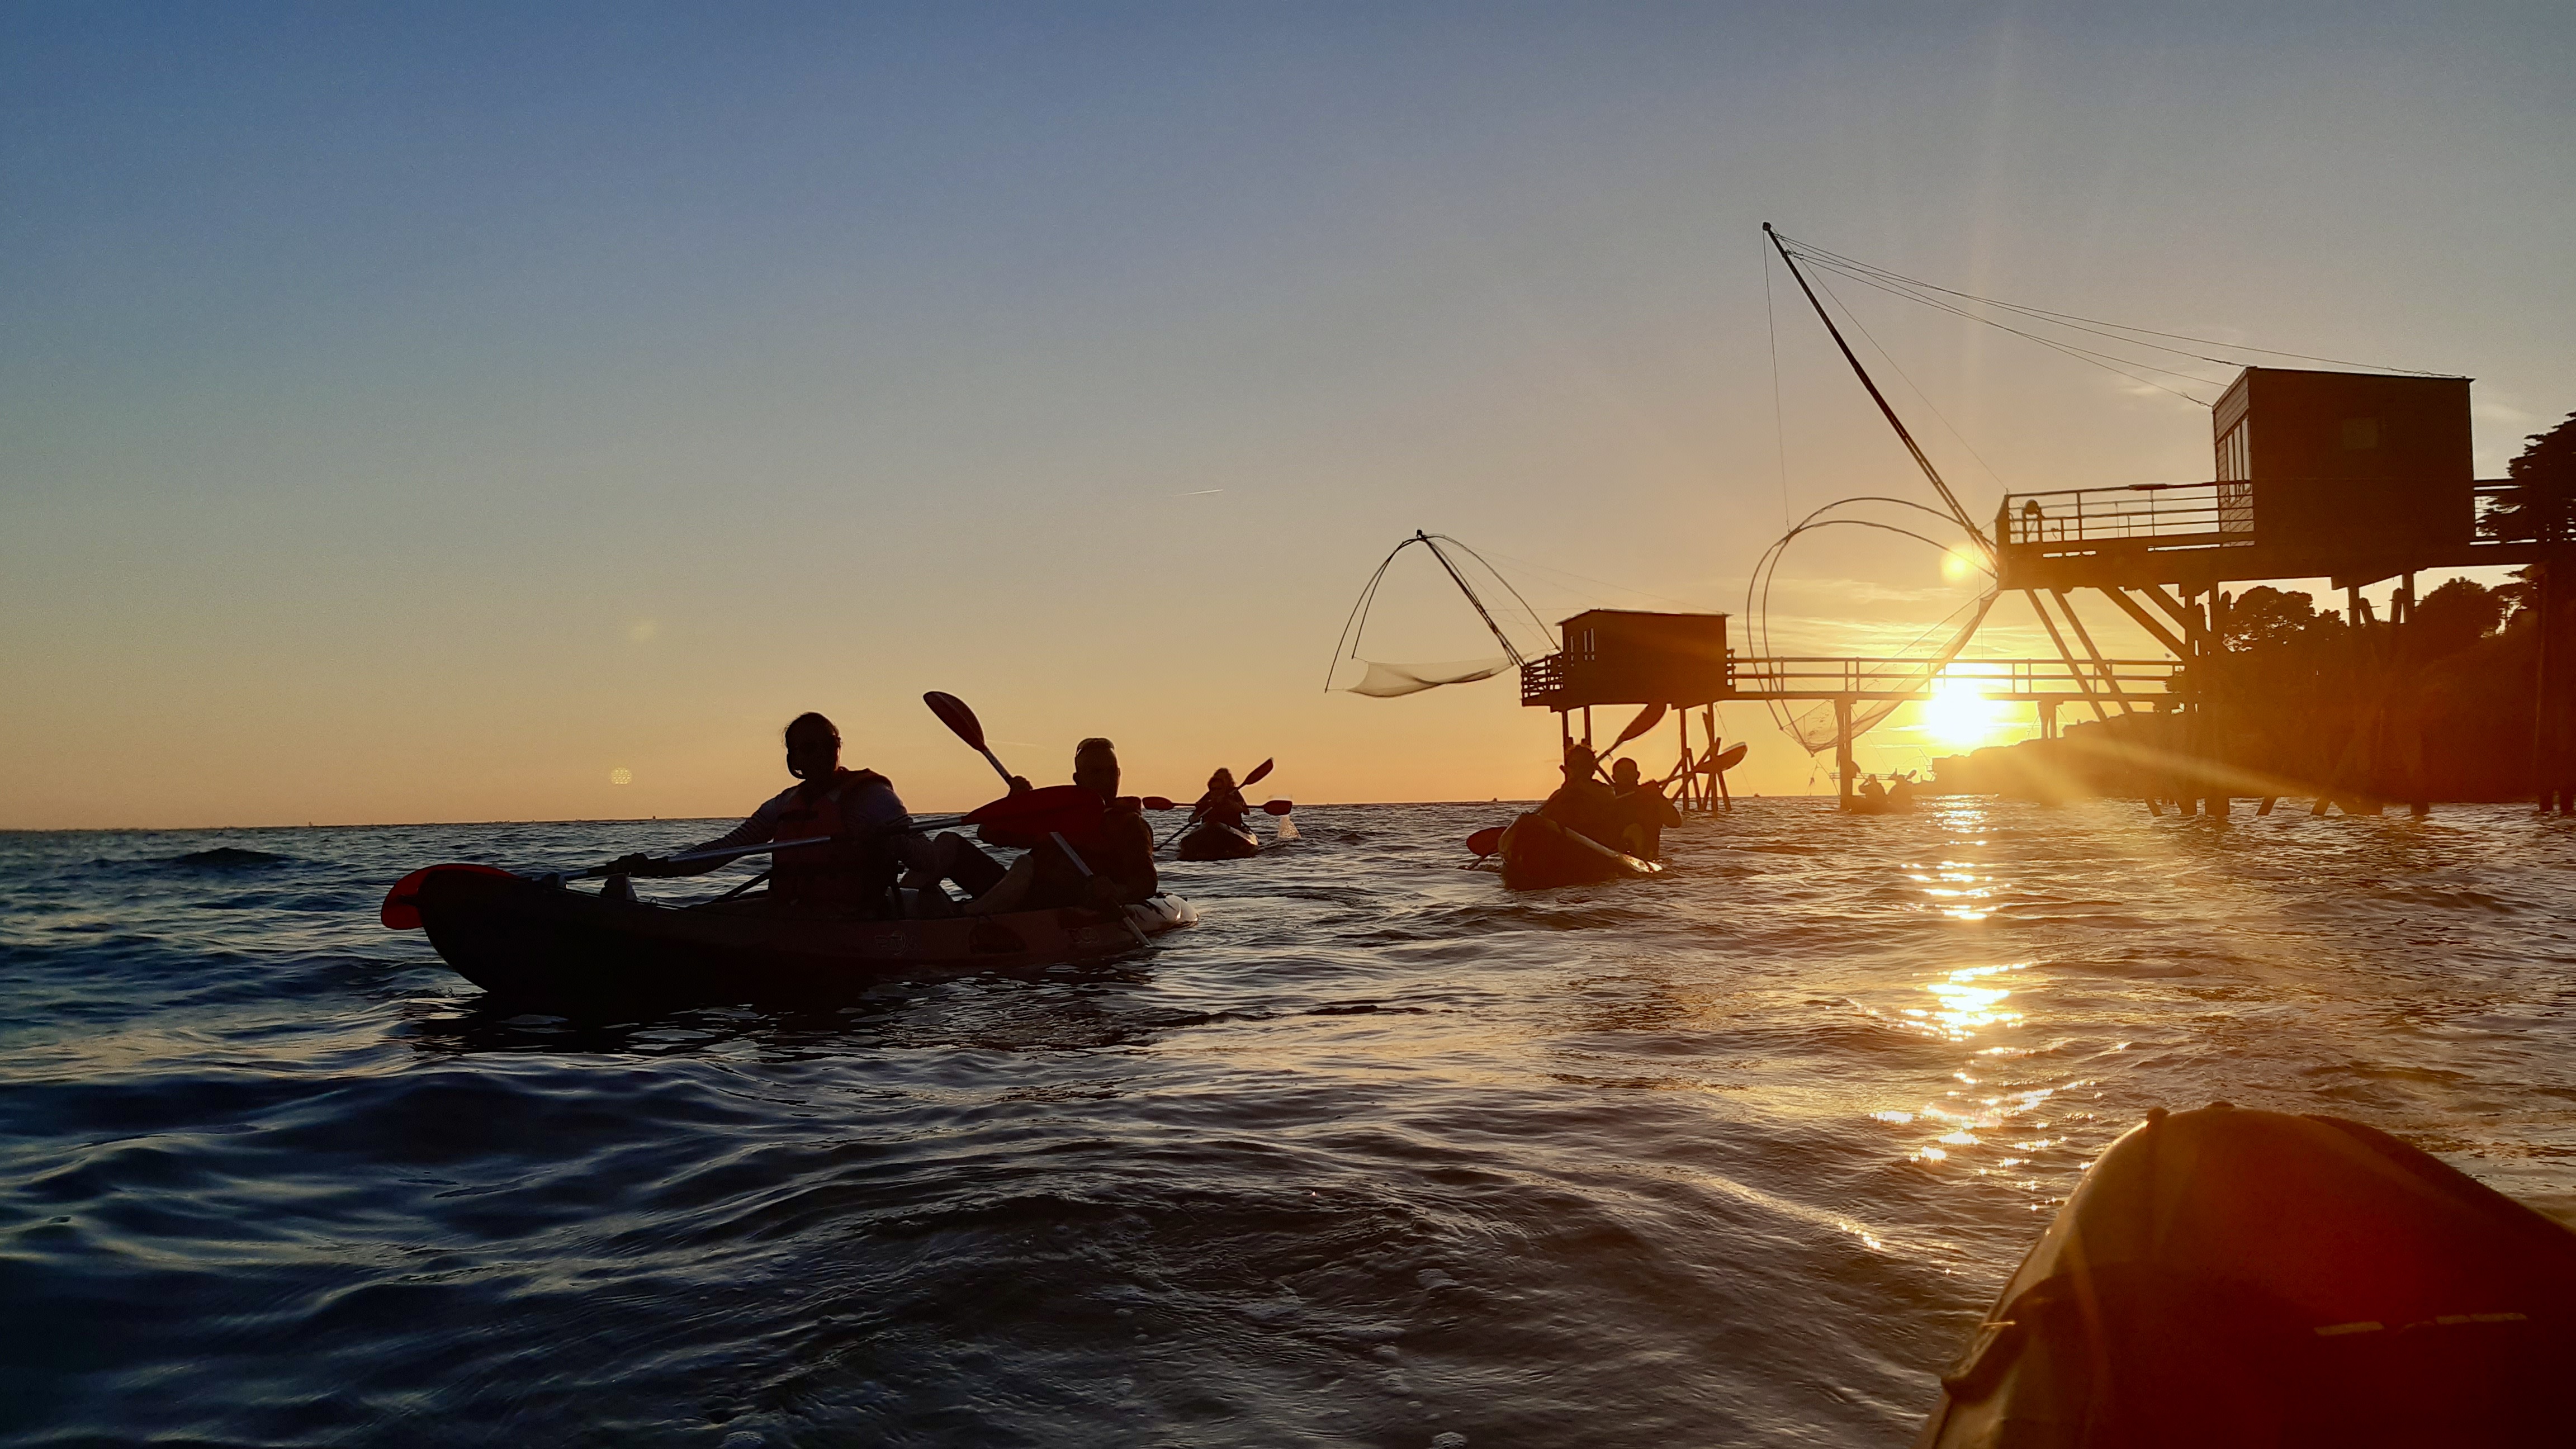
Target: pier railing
2220,512
1826,677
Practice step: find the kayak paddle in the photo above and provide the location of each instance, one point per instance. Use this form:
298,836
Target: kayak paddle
1646,719
953,713
1486,841
401,911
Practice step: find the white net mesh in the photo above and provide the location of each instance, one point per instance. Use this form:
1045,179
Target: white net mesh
1387,681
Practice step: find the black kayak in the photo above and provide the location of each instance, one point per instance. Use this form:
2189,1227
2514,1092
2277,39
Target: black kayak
1537,853
1216,840
539,942
2238,1278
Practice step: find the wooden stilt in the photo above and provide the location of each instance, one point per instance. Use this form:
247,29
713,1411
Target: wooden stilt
1844,767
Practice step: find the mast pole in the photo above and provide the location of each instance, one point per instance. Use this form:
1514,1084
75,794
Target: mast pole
1893,421
1460,580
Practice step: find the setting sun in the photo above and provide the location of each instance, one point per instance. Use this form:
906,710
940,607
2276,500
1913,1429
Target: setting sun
1960,714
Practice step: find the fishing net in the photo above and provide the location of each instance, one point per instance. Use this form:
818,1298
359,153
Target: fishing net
1814,728
1392,681
1389,681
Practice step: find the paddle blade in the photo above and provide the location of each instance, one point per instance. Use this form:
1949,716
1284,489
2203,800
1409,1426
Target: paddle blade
1259,773
1158,802
1486,841
1277,807
1031,816
1733,757
953,713
1646,719
401,911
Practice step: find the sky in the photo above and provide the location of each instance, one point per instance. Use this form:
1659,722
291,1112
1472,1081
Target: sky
426,413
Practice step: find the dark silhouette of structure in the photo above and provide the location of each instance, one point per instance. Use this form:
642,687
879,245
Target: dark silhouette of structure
1681,661
2354,477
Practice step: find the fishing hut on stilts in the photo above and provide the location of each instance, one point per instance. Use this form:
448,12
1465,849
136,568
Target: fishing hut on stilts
2357,477
1675,662
2353,477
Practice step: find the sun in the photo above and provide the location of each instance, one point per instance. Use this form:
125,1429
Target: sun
1960,715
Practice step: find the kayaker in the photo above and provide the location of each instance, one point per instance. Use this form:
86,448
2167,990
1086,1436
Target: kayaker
859,808
1223,804
1119,850
1583,804
1872,791
1646,810
1901,794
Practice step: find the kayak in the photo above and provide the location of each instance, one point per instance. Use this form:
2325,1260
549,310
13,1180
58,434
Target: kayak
541,942
1884,805
2230,1277
1537,853
1216,840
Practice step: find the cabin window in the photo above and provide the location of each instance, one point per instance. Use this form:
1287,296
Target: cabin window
2235,459
2360,435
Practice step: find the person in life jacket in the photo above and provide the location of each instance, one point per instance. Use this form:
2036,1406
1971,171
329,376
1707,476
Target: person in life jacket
1646,811
1583,804
1117,850
858,809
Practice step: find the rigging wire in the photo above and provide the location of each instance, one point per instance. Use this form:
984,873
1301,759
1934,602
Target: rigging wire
1355,626
1920,396
1779,425
2105,361
1435,540
1822,257
1597,583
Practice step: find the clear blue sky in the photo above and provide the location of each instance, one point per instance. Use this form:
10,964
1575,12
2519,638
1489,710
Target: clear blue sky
416,413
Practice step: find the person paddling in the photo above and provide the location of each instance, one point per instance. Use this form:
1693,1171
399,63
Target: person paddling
1119,850
1583,804
1223,804
1645,810
857,808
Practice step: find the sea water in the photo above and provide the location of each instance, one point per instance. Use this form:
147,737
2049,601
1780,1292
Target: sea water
1378,1154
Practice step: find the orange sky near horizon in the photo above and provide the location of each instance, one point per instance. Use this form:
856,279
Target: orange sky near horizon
411,421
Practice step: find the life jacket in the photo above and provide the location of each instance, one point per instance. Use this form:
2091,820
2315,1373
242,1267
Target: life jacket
824,875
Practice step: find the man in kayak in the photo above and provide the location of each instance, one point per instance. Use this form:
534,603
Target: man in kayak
1118,850
858,808
1646,810
1583,804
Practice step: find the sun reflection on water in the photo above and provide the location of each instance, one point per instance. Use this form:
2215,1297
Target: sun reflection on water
1966,1007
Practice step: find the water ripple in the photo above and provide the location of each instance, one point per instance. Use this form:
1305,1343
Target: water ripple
1377,1153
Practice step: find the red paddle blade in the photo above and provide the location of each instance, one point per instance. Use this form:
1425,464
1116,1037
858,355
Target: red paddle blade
1259,773
953,713
401,910
1277,807
1486,841
1158,802
1029,817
